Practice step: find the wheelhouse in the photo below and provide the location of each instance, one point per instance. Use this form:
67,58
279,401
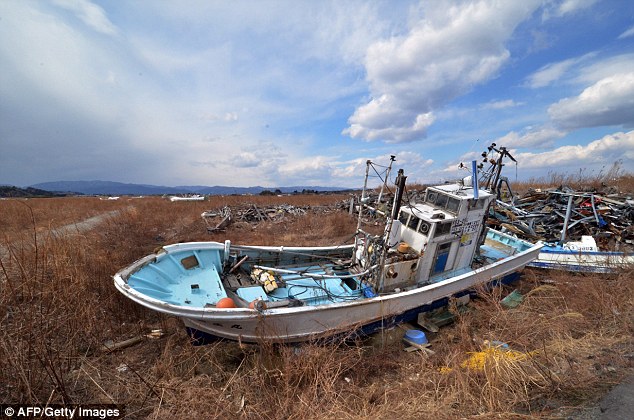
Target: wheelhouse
443,232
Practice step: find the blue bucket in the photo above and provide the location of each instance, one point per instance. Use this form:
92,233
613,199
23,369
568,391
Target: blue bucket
416,336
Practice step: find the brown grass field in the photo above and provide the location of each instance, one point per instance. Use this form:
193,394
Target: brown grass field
58,305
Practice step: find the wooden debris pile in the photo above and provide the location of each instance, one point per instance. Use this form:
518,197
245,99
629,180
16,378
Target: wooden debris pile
217,220
555,214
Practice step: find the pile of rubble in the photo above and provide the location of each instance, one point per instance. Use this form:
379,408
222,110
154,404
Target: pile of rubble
217,220
556,215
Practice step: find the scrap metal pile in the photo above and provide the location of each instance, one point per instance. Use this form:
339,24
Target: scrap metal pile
556,214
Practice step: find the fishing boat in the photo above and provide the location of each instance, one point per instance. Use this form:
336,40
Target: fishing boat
581,256
429,252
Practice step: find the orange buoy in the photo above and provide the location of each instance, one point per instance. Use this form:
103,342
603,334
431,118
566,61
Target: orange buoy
226,303
403,247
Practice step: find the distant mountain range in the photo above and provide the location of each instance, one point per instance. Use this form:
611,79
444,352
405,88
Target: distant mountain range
10,191
119,188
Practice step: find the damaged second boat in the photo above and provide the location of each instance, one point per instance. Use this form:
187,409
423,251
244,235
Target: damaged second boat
429,252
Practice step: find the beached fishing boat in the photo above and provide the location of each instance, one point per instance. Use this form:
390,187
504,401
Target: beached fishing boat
429,252
582,256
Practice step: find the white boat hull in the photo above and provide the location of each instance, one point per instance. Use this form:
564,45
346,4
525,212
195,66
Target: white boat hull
303,323
583,261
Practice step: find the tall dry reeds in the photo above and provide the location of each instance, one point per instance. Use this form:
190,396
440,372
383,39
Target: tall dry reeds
614,176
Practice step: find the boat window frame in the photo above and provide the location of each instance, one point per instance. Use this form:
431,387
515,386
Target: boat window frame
416,220
443,200
443,229
455,203
407,216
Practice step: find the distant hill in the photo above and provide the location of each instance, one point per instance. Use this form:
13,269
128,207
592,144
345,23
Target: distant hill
119,188
106,188
11,191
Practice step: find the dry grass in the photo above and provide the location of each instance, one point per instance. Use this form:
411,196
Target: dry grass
20,215
58,305
583,180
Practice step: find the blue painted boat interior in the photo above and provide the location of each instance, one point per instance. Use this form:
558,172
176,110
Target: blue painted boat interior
315,291
191,278
167,279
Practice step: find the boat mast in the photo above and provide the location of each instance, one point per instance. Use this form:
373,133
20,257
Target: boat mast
492,178
361,203
387,177
396,206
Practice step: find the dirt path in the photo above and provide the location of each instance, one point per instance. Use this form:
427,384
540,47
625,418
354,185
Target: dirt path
618,403
72,228
84,225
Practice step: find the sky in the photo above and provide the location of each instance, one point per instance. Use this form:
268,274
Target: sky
302,92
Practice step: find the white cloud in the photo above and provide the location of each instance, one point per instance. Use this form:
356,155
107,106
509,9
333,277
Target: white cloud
351,172
560,8
610,101
596,154
454,48
503,104
534,138
607,150
245,160
592,73
311,170
627,34
91,14
580,70
550,73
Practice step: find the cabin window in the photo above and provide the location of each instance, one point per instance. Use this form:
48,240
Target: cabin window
441,201
453,204
413,222
403,218
442,229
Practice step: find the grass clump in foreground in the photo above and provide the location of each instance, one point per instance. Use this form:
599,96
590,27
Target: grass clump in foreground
58,306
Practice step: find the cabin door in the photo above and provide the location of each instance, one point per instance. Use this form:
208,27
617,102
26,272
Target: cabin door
440,261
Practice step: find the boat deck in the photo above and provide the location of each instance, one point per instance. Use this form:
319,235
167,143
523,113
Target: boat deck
307,288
